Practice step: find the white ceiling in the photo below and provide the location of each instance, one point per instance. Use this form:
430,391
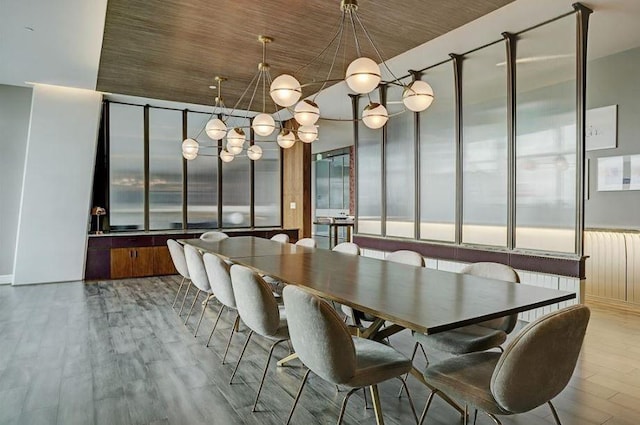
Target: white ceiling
64,46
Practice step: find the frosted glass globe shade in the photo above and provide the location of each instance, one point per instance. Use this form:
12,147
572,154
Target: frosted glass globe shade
363,75
216,129
254,152
263,124
190,156
236,137
190,146
226,156
233,149
285,90
375,116
418,96
307,133
286,139
306,112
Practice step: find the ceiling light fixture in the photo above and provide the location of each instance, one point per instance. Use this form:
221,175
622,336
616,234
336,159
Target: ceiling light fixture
362,75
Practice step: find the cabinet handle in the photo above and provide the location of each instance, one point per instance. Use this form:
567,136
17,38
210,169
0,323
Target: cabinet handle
135,253
131,254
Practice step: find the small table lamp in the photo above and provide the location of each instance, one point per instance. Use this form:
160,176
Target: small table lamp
98,211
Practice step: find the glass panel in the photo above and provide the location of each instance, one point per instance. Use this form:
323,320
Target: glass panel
400,164
236,185
546,137
322,187
346,183
368,179
126,172
267,185
484,148
438,158
336,186
165,169
202,178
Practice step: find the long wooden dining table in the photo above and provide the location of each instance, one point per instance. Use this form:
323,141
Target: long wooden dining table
409,297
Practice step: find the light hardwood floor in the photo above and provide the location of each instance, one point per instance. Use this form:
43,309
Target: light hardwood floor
116,353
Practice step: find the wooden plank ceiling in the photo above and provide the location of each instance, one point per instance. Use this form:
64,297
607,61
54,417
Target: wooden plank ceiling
172,49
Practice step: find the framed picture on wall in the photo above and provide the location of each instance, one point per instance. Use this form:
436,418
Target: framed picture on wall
601,128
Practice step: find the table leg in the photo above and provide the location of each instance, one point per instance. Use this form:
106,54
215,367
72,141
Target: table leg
288,359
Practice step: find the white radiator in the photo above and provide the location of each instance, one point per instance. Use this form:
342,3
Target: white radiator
606,267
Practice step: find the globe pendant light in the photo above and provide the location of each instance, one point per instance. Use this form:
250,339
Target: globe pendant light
306,112
190,147
189,156
375,116
254,152
216,129
418,96
285,90
363,75
226,156
308,133
236,137
263,124
286,139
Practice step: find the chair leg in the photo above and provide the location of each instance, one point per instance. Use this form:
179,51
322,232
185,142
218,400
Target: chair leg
185,298
215,324
240,358
264,372
465,419
376,404
178,293
555,414
497,422
204,308
426,406
364,394
233,329
192,305
475,416
413,356
295,400
344,404
406,388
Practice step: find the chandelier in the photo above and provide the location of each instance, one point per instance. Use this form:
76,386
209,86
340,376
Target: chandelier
363,75
263,124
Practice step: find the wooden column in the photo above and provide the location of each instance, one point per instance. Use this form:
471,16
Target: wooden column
296,188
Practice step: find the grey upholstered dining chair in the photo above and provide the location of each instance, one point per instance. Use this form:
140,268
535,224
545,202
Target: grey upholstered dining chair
260,312
347,248
280,237
213,236
324,345
180,263
199,278
473,338
308,242
220,280
533,369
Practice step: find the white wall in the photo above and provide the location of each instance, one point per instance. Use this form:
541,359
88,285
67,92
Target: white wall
15,106
58,175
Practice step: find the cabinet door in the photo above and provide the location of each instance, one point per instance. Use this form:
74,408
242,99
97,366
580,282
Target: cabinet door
142,262
121,262
162,262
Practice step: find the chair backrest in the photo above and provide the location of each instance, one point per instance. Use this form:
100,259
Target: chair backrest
347,248
539,362
499,272
255,302
280,237
220,279
196,268
177,256
308,242
213,236
404,256
319,337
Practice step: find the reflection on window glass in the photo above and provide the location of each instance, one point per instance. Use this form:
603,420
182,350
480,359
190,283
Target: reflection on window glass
546,137
267,185
126,172
165,169
202,179
369,176
236,185
484,115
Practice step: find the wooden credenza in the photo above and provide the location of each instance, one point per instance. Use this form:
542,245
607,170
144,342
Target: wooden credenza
126,255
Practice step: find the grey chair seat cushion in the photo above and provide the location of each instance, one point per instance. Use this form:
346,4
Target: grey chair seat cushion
468,339
376,362
469,378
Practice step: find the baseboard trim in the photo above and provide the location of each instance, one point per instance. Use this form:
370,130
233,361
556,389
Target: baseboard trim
6,279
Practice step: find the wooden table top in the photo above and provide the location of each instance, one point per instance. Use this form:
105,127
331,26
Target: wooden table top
417,298
246,246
